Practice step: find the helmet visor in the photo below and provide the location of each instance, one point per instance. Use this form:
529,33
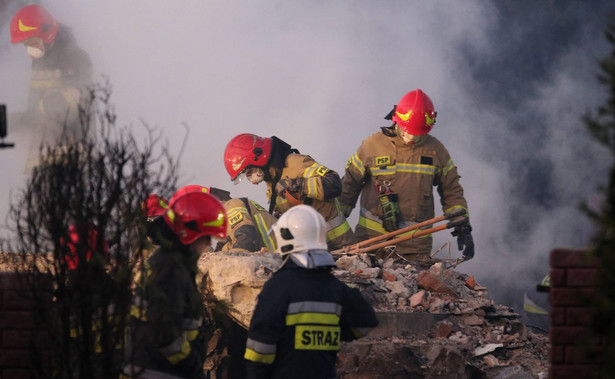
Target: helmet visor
239,178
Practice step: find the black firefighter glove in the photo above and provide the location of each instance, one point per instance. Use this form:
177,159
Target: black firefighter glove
464,240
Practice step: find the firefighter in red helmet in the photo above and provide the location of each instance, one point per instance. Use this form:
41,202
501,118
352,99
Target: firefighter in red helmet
248,222
60,69
168,336
394,172
291,178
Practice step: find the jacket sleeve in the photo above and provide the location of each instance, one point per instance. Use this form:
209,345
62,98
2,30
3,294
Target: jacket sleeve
352,182
448,186
241,229
266,330
358,317
321,183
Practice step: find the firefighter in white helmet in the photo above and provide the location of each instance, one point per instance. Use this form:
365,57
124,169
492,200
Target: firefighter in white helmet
394,171
303,312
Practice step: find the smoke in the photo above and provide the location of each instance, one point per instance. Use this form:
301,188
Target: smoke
509,82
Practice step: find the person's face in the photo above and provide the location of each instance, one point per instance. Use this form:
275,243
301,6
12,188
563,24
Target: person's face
35,47
255,175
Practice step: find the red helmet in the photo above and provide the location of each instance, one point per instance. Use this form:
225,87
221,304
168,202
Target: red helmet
72,258
33,21
246,150
196,214
154,206
187,189
415,113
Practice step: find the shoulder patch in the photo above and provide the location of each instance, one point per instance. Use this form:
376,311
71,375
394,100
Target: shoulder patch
258,206
382,161
235,219
322,170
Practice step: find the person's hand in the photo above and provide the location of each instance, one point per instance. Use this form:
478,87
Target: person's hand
465,241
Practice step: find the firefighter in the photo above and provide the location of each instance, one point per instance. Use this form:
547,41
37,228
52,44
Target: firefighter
168,336
60,68
248,222
394,171
291,178
303,312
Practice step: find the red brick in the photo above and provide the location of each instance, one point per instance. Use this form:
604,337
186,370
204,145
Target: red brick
556,354
557,316
573,371
9,280
579,354
558,277
13,357
567,335
579,316
563,296
581,277
16,320
15,373
564,258
16,300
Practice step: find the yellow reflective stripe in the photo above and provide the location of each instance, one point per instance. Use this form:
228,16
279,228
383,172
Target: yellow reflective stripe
217,222
377,227
312,187
191,334
449,166
308,172
417,168
312,318
138,312
387,170
46,83
338,231
531,307
253,356
25,28
467,214
238,210
357,163
262,229
179,355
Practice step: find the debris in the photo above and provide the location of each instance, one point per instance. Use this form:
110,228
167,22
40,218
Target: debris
486,349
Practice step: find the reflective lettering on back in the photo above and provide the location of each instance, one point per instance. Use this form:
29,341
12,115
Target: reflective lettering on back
317,337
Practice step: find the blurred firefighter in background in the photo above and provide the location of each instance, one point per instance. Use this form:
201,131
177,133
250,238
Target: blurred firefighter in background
60,71
291,178
168,336
248,222
394,171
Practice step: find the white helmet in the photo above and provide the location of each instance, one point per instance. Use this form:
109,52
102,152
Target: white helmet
302,232
300,229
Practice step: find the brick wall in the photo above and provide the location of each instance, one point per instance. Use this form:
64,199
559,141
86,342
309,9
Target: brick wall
573,278
18,329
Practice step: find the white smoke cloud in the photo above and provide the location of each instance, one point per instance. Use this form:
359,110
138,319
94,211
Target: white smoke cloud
321,75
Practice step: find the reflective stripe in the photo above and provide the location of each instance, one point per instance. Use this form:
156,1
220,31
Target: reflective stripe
191,328
417,168
357,163
312,187
449,166
261,347
177,350
253,356
387,170
260,352
53,83
315,306
312,318
339,231
376,226
261,224
457,207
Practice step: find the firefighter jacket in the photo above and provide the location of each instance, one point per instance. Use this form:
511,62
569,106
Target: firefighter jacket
248,226
58,77
299,321
313,184
167,333
385,163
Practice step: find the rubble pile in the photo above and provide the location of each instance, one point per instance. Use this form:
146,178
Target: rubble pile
435,322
